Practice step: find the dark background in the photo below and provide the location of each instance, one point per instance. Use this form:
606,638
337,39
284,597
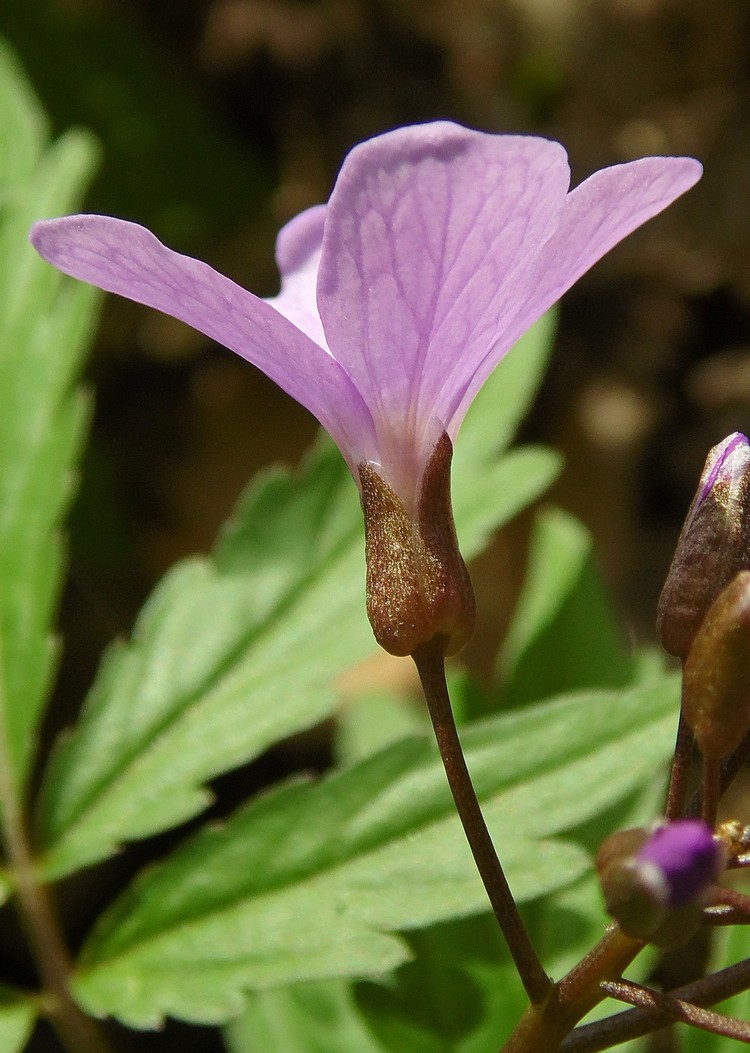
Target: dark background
220,119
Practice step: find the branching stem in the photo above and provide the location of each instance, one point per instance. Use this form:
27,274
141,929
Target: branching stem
634,1023
78,1032
675,1009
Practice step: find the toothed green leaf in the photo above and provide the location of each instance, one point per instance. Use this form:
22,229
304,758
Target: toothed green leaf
314,881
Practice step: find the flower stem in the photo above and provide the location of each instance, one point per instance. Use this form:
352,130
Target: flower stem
674,1008
710,790
77,1031
430,662
680,775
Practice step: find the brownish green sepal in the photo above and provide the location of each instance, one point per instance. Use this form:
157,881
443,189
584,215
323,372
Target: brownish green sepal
716,679
713,546
418,586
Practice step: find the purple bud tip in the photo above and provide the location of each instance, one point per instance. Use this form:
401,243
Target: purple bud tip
730,456
688,856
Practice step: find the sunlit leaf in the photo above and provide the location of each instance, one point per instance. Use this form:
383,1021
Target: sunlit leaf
312,880
563,636
316,1017
45,325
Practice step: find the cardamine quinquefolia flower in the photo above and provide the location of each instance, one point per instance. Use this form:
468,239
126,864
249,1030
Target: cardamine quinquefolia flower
438,248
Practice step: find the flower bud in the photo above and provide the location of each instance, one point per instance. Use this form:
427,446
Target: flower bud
654,884
417,583
716,677
713,546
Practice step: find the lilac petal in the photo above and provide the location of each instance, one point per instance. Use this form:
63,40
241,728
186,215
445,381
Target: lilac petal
298,257
127,259
430,232
598,214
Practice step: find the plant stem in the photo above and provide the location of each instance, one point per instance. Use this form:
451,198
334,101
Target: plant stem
543,1029
77,1031
729,770
430,662
722,895
679,779
591,1038
677,1009
710,790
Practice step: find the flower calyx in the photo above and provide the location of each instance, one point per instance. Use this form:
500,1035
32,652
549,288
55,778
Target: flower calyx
418,587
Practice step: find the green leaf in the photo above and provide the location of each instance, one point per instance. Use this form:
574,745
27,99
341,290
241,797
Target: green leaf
375,720
460,993
236,651
312,880
564,636
316,1017
23,126
45,325
17,1017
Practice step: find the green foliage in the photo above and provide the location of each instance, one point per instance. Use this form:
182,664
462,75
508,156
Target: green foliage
564,636
235,651
17,1016
45,325
311,880
318,1017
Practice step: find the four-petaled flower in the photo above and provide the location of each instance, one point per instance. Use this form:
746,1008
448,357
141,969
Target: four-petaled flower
438,248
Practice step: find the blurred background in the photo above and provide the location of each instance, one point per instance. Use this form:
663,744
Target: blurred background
220,119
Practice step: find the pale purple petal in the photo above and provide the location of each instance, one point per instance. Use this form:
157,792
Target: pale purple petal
298,257
127,259
597,215
430,230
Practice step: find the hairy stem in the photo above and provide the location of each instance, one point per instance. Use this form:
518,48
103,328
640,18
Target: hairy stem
677,1009
430,662
634,1023
78,1032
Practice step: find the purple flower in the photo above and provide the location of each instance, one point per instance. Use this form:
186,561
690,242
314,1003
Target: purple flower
438,248
685,859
